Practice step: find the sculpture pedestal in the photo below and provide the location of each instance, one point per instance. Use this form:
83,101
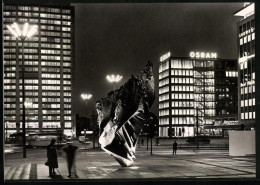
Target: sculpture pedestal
241,143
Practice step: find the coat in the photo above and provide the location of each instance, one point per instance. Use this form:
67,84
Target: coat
175,145
52,156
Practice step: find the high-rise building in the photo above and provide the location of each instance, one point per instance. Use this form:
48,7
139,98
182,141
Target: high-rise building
246,65
193,91
49,64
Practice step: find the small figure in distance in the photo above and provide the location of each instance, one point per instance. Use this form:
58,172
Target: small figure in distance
70,151
174,147
52,157
157,141
142,142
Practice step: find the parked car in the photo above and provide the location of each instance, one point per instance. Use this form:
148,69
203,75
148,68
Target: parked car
204,140
69,140
82,140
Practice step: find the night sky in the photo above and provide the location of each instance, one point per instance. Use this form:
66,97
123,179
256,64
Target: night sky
121,38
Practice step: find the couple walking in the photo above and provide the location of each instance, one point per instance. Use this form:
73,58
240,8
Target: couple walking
52,157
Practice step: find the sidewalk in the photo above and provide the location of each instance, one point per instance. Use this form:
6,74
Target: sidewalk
96,164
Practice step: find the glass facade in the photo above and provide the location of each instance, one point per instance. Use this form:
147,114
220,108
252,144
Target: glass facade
188,88
204,90
48,61
246,60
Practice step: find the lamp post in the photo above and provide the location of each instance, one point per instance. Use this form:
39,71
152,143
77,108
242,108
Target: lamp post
6,127
114,79
22,35
27,105
86,97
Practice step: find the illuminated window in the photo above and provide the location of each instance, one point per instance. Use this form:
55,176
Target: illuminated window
67,124
162,97
164,66
51,125
245,40
246,115
241,41
249,38
246,90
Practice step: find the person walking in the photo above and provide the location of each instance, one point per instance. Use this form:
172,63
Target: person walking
70,155
52,158
174,147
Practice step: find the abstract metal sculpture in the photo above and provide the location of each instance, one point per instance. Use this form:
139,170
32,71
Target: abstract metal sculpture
122,113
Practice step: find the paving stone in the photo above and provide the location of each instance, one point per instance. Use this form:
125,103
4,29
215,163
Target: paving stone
10,172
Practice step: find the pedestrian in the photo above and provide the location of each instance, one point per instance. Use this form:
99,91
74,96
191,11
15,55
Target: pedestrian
157,141
70,155
174,147
52,157
142,141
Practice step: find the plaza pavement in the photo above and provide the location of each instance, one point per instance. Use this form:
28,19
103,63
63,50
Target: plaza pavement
96,164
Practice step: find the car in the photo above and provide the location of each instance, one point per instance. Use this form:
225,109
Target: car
82,139
192,140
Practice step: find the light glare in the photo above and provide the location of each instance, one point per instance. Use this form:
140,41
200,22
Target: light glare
28,104
25,33
17,29
86,96
12,31
32,31
112,78
25,29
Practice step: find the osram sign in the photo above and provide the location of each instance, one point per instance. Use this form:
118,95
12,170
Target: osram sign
202,55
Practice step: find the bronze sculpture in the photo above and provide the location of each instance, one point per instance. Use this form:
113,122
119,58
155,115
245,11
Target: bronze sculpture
122,113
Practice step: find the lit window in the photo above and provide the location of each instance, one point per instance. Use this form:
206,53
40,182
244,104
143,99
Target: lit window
253,36
241,41
245,39
246,115
249,38
67,124
246,90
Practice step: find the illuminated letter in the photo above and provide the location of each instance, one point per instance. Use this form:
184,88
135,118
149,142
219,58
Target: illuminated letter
213,55
202,55
197,54
192,54
207,55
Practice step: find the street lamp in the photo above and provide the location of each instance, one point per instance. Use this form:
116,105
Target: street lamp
27,105
114,79
86,97
22,35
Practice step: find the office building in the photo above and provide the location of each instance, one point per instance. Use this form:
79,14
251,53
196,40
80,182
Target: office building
193,91
49,64
246,65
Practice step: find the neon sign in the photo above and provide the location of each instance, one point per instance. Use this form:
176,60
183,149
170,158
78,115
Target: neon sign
202,55
165,56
